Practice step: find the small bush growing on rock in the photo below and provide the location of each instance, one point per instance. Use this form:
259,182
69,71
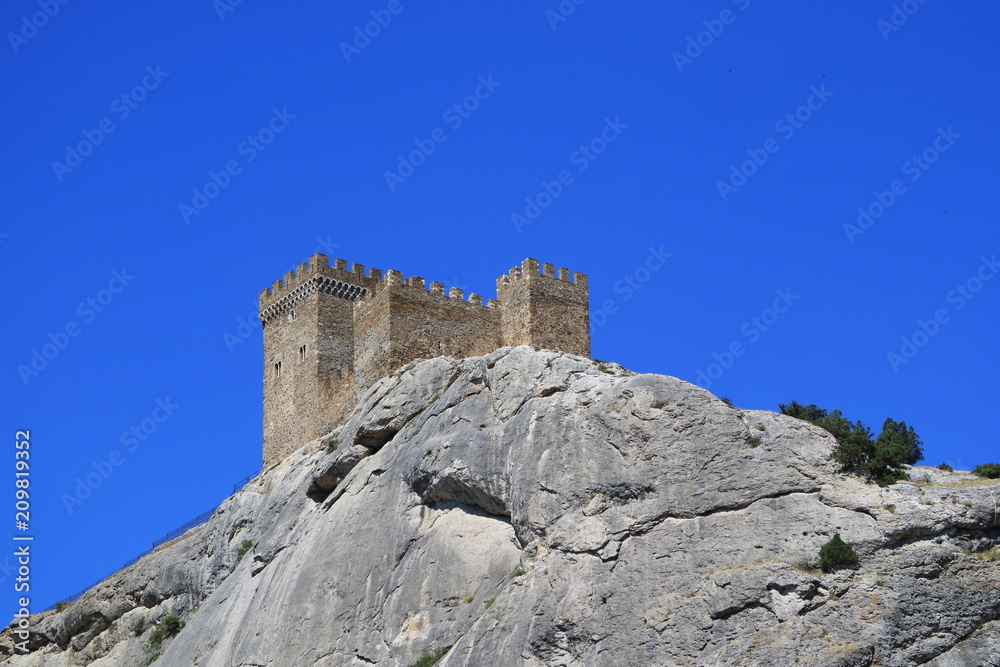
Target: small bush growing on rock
725,399
835,554
244,547
173,624
431,657
988,470
754,440
489,603
945,467
139,627
516,573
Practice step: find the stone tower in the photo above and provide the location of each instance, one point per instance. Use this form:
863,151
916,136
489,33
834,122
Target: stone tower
544,310
330,333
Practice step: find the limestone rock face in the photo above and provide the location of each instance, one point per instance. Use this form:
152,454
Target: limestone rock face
539,509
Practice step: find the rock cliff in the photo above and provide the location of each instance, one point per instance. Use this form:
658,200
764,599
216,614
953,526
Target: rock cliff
540,509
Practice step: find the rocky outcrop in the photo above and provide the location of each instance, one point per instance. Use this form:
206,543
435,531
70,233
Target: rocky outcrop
535,508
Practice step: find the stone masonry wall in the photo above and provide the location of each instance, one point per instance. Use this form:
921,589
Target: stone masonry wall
427,324
309,330
289,382
371,340
545,309
336,331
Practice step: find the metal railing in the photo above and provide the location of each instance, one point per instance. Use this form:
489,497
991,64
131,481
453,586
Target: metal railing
172,535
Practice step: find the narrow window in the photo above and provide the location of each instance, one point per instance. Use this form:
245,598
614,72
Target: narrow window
302,353
291,314
277,370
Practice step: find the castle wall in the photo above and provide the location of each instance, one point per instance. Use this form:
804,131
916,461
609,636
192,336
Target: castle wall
544,309
371,340
427,324
335,331
290,383
309,330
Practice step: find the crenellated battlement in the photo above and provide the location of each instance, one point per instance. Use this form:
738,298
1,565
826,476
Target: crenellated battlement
318,266
330,331
435,290
529,270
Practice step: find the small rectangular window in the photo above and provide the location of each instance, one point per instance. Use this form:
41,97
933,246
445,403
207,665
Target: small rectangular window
277,370
291,314
302,353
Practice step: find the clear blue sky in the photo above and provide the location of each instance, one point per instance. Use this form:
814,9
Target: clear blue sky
739,138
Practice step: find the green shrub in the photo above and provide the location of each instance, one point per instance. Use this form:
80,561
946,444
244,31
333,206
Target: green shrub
761,427
835,554
435,397
139,627
157,636
988,470
431,657
725,399
489,603
170,626
516,573
244,547
332,447
659,405
754,440
879,459
945,467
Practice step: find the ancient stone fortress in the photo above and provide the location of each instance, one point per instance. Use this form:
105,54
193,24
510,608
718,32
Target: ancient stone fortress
330,332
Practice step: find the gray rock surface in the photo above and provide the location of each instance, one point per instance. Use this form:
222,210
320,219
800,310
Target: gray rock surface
535,508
